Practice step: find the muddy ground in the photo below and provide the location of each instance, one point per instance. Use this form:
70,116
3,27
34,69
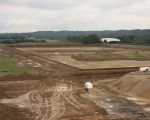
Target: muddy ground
47,100
55,95
64,55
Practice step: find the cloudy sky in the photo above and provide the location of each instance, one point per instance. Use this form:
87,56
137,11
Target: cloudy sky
43,15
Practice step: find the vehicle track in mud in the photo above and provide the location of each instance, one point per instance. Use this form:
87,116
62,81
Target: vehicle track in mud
53,107
52,99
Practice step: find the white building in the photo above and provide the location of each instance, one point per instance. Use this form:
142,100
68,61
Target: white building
144,69
110,40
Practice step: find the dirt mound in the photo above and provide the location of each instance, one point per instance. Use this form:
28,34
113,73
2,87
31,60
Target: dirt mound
135,84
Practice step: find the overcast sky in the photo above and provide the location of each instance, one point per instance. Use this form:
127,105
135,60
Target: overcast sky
43,15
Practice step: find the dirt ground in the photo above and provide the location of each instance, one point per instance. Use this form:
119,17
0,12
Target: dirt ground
27,97
49,100
137,84
99,64
64,49
117,104
63,55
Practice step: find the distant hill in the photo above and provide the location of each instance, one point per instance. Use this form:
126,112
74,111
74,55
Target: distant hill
145,33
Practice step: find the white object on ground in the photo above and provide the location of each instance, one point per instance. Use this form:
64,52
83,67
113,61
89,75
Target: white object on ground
88,85
144,69
56,53
147,109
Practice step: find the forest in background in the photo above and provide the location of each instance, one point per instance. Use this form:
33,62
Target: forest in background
84,37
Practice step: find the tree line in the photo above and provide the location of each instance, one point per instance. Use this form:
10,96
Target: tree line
90,39
83,39
93,39
131,39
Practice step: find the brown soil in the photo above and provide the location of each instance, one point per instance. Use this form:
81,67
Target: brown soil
49,99
99,64
64,56
11,113
137,84
52,96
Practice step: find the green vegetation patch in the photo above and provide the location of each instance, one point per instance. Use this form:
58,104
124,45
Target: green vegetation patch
8,64
107,56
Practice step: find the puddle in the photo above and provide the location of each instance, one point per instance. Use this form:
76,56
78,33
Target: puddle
133,98
31,63
147,109
138,101
120,108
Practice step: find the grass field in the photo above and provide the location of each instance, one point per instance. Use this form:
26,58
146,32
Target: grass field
8,64
109,55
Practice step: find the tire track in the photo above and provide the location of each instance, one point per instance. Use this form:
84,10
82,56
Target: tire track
48,103
54,107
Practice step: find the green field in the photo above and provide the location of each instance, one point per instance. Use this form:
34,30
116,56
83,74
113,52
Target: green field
8,64
110,55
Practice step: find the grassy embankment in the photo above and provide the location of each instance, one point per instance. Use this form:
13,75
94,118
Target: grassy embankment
109,55
8,64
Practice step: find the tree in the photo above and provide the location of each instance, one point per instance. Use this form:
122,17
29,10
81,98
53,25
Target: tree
91,39
147,41
127,38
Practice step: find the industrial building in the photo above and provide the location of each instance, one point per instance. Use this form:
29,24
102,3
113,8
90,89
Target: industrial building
110,40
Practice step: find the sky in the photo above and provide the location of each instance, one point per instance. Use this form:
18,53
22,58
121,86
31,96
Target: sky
49,15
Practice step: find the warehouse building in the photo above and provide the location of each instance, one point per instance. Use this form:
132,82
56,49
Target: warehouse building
110,40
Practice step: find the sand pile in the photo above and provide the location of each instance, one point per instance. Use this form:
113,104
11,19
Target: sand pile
135,84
